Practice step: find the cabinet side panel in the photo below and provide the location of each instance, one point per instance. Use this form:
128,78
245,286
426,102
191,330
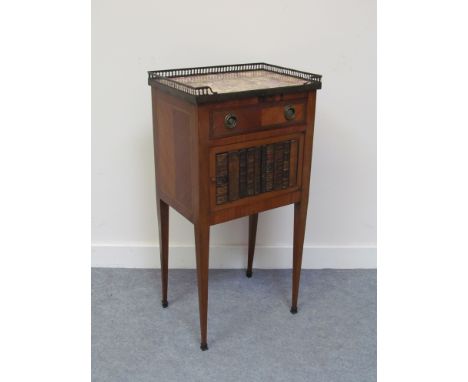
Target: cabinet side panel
174,124
183,153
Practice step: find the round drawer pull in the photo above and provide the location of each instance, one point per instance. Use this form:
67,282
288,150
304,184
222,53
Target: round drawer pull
230,121
289,112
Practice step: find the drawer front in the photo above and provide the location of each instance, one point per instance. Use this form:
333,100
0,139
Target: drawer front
254,170
241,120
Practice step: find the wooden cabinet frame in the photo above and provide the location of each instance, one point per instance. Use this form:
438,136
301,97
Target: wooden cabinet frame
184,151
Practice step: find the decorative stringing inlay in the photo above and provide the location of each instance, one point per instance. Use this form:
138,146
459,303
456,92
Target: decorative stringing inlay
241,81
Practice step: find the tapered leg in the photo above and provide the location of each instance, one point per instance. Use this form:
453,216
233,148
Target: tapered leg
300,215
202,243
253,219
163,219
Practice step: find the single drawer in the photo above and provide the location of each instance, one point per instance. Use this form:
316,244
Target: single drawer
247,119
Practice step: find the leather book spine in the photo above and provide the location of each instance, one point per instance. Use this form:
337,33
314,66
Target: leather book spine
250,171
257,170
242,173
233,175
278,166
293,163
263,169
221,178
286,152
269,168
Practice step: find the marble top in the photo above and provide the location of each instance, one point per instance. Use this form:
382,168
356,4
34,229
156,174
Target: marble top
241,81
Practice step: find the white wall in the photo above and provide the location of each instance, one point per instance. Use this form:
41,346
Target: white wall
335,38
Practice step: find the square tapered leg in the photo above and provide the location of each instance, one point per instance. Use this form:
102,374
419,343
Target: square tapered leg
202,242
300,215
163,220
253,219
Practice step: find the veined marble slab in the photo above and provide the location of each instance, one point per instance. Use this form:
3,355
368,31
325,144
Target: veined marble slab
241,81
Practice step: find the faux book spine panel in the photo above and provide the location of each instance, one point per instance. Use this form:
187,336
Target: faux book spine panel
255,170
221,178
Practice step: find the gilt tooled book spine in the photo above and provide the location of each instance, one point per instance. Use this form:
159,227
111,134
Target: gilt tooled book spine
263,156
286,152
278,166
293,163
242,173
233,175
221,178
269,167
250,171
257,170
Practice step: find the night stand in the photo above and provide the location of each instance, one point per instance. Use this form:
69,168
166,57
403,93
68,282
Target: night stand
231,141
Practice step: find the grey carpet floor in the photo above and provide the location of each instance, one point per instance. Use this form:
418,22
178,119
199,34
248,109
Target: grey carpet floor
252,336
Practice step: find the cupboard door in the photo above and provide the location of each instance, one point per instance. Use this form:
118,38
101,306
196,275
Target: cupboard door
254,170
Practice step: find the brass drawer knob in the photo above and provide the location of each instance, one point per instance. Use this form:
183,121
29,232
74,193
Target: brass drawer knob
230,121
289,112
